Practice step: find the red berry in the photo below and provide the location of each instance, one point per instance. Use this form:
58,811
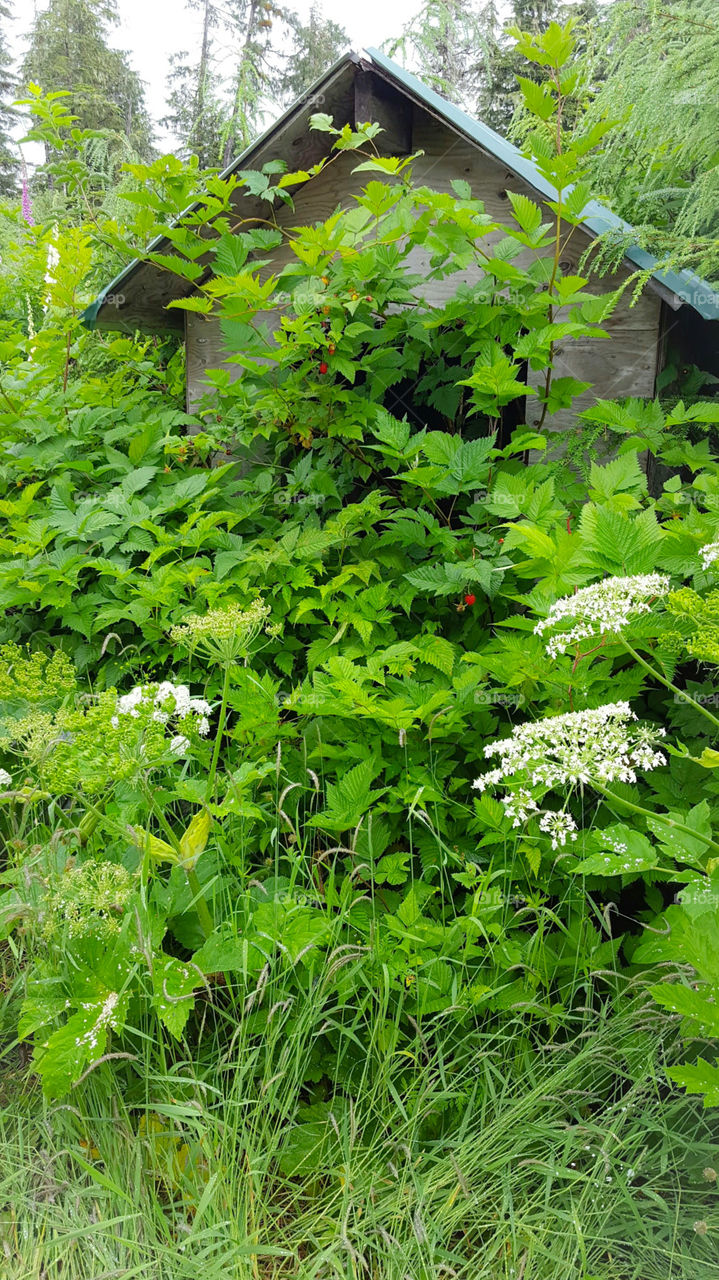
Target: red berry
501,539
470,599
324,366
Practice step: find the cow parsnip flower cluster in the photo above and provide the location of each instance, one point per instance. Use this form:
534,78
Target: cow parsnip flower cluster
576,749
167,702
520,806
114,738
5,778
709,553
88,899
699,615
34,677
602,608
559,825
226,634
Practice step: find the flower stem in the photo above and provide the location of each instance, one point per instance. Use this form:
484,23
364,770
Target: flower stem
658,817
207,924
684,697
218,737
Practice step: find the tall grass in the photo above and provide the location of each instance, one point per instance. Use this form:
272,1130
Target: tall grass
485,1156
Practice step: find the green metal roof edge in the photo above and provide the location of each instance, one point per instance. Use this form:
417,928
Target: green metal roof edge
685,284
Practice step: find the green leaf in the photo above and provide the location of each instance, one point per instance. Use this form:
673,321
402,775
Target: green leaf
173,985
349,798
618,544
527,213
621,851
538,98
225,952
231,252
700,1079
393,868
137,480
700,1006
437,652
679,845
61,1059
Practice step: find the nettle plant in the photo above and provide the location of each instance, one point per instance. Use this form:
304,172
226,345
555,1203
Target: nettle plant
300,656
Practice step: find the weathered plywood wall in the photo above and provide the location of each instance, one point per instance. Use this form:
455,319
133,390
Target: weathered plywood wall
622,365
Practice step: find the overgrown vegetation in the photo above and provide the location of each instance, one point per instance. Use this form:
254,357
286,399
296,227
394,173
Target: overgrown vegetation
297,983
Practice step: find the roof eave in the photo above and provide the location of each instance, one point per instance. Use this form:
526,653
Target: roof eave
679,287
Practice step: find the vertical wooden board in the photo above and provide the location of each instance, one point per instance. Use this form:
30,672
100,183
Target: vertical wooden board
204,350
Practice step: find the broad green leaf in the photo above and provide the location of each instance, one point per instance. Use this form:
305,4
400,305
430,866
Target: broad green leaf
61,1059
621,851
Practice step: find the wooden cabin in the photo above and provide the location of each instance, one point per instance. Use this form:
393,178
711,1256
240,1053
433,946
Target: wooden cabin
675,307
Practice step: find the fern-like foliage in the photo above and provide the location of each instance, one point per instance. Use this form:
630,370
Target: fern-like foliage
653,69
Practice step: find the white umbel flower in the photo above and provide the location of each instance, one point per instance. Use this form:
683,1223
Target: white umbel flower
170,703
604,607
579,748
5,778
709,553
559,825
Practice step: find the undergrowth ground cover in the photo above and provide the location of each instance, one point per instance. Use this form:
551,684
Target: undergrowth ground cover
358,750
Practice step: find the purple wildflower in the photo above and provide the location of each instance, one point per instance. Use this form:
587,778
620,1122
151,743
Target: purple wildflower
27,203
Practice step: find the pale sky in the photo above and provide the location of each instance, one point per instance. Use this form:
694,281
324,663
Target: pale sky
151,30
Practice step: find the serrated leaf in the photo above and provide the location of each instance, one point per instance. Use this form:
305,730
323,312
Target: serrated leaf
173,985
137,480
699,1005
392,869
620,852
63,1057
700,1079
436,652
526,212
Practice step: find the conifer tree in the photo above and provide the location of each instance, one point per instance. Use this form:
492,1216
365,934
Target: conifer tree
249,23
659,167
8,156
196,113
461,48
441,44
69,50
316,44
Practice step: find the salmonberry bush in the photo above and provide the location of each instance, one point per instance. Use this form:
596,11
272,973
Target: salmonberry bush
349,709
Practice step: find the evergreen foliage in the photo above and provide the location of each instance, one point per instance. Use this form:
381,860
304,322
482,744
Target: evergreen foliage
660,169
9,163
196,112
316,44
463,49
69,52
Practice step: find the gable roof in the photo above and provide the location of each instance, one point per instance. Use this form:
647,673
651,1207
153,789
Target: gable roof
333,91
